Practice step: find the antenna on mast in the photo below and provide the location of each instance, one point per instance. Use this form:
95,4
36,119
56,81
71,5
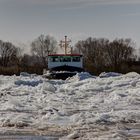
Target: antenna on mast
65,44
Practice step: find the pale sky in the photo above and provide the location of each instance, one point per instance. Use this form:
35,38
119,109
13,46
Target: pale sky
21,21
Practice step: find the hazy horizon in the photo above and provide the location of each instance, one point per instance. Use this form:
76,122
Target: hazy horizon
24,20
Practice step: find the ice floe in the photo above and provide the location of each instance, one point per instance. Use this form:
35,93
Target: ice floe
82,107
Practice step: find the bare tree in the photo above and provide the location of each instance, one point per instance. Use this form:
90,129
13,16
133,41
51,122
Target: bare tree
93,51
8,53
119,51
42,46
103,55
138,55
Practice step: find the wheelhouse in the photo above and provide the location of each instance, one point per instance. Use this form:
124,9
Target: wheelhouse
57,60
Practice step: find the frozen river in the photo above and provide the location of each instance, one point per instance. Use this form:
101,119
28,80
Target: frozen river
12,137
82,107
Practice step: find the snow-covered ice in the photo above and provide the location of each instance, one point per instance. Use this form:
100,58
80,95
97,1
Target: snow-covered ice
81,107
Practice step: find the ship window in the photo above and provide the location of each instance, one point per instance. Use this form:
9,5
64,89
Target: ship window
50,59
54,59
65,59
76,59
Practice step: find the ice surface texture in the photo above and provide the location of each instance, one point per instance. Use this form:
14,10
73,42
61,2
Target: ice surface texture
82,106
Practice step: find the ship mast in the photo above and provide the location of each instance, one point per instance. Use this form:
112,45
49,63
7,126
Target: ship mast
65,44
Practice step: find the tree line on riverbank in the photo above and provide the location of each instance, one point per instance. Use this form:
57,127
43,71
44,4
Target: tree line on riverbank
100,54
